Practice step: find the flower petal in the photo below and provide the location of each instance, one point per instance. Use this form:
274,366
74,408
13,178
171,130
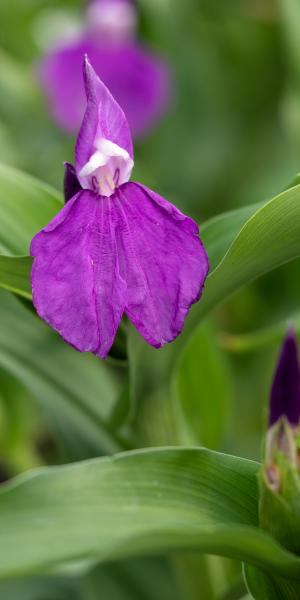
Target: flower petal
76,282
163,261
137,80
103,118
71,183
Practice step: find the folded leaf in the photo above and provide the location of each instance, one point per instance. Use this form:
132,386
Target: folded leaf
136,503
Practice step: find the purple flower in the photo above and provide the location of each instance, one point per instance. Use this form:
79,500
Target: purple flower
116,247
285,393
138,80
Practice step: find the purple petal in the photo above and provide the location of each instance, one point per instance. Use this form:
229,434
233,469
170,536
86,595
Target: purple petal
103,118
101,256
285,393
71,183
76,282
138,81
163,261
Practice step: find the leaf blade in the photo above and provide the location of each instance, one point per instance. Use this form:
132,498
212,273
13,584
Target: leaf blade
26,205
136,503
15,275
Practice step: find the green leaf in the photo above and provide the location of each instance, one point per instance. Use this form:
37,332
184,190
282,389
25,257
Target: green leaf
136,503
202,386
219,232
269,587
26,205
267,240
15,274
78,392
20,427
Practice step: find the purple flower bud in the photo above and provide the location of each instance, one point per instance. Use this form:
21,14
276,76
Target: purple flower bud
285,393
279,504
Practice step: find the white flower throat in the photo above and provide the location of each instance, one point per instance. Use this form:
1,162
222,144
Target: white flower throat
108,167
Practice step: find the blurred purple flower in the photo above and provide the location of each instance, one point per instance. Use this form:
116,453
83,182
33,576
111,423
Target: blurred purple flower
138,80
285,393
116,247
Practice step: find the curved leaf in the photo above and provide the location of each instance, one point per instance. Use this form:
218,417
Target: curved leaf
219,232
26,205
136,503
268,239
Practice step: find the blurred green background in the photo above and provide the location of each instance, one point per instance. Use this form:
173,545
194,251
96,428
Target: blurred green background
231,138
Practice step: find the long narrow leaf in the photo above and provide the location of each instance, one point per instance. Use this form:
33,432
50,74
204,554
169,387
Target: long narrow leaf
136,503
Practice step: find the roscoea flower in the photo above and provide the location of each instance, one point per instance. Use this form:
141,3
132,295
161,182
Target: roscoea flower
116,247
138,80
279,507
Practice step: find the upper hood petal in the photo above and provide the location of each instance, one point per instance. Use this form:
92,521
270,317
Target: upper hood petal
103,118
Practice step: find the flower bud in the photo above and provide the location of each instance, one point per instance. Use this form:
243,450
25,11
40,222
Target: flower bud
280,480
